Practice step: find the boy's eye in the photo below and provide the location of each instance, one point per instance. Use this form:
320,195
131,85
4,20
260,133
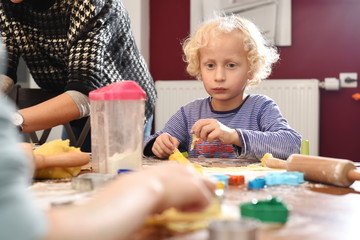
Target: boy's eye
210,65
231,65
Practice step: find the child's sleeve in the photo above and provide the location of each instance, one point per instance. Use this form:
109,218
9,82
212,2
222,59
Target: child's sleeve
176,127
274,135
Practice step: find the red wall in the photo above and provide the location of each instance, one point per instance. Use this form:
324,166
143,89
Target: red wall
326,41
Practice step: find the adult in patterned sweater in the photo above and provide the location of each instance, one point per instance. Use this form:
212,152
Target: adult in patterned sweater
71,47
228,54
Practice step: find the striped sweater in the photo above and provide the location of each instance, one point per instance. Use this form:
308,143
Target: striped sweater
76,45
258,121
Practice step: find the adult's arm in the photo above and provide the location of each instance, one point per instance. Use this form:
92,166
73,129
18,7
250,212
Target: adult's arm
53,112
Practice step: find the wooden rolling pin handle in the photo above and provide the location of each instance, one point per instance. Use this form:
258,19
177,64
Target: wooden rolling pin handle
276,163
68,159
353,175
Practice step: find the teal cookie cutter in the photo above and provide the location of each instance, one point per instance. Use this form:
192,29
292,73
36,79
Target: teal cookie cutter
284,178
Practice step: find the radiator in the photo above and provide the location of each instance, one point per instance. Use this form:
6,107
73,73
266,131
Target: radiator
298,101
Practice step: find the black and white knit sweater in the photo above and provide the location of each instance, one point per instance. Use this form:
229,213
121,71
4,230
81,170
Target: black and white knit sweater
77,45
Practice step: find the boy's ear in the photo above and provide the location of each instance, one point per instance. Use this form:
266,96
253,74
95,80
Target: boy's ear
250,75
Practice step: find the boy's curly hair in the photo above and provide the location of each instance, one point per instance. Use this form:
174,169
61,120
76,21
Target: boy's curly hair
260,54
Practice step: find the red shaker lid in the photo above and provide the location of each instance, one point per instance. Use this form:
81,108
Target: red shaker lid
124,90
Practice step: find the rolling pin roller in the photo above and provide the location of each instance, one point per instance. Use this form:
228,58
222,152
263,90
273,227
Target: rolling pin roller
339,172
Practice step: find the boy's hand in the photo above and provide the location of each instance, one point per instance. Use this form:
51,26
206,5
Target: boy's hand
212,130
164,145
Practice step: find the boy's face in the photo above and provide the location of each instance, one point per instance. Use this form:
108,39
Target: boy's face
224,70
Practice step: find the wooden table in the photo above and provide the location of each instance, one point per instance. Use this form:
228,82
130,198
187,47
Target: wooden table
318,211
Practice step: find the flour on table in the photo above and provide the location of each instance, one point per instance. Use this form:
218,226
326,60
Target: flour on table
130,159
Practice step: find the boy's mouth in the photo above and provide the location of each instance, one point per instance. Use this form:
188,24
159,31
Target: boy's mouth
219,89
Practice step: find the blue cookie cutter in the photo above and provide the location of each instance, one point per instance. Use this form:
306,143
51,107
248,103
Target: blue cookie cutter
257,183
222,178
284,178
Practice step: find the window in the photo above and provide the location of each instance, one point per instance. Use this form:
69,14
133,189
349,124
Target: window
273,17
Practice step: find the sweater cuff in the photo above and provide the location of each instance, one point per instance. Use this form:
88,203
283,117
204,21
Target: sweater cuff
241,151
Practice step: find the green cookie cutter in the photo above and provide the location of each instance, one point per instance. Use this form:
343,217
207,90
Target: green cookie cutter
270,211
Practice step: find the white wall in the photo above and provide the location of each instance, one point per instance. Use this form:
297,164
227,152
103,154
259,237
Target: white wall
139,12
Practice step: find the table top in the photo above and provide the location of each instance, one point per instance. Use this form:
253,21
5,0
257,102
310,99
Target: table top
317,211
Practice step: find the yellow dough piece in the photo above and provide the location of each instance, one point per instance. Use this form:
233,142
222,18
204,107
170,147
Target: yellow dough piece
57,172
52,148
194,141
180,158
263,159
183,221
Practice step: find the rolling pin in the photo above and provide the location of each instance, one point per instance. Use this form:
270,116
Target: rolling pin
338,172
67,159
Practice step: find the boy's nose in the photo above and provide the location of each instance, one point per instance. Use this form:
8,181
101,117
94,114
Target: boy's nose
220,74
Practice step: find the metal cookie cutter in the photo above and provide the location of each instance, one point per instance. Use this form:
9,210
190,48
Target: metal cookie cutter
90,181
244,229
